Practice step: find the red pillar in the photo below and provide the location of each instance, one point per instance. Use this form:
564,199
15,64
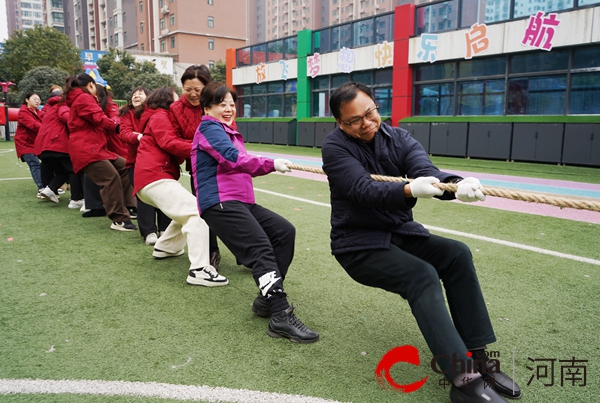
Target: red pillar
402,76
230,62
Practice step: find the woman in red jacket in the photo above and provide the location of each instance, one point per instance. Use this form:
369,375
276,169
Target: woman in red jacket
89,153
28,124
52,147
160,153
130,134
186,114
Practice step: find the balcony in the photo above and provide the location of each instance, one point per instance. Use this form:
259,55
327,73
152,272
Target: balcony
164,10
164,31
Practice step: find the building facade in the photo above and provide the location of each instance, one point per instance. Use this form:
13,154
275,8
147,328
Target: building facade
22,14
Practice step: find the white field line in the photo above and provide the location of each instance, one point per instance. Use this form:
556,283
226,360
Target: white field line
7,151
150,390
464,234
14,179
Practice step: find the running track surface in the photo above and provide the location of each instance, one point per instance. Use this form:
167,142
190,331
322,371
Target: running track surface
557,187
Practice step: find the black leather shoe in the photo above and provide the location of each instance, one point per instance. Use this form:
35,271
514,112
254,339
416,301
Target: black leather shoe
97,212
261,306
502,383
215,259
475,392
286,324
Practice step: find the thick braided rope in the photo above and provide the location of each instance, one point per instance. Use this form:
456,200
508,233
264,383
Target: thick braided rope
562,202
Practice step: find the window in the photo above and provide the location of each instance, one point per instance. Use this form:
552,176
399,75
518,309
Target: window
57,17
141,6
172,42
172,19
275,99
211,22
116,39
25,5
142,47
125,37
124,18
162,46
116,19
161,3
162,23
55,4
141,27
111,40
211,64
211,44
210,2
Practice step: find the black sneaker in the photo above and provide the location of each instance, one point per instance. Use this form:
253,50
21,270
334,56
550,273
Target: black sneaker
477,391
133,212
123,226
206,276
97,212
261,306
286,324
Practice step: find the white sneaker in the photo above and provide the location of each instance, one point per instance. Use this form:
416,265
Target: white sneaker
61,191
151,239
47,193
39,194
76,204
206,276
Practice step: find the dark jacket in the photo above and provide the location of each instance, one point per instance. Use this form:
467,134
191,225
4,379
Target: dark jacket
365,212
161,150
53,135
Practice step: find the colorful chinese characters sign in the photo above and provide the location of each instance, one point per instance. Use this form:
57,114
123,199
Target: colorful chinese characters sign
261,73
384,55
540,31
476,40
313,65
429,45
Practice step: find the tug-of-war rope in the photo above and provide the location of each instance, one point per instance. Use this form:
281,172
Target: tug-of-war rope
562,202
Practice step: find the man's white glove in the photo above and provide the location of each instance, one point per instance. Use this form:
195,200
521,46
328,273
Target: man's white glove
423,187
281,165
469,190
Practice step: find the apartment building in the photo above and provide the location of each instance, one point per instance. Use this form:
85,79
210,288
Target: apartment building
281,18
27,13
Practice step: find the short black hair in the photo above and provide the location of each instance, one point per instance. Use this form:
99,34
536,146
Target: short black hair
199,71
27,96
214,93
346,93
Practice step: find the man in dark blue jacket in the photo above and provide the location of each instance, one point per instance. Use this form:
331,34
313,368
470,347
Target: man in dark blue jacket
374,238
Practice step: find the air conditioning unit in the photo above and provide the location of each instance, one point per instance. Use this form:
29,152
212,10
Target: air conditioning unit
164,10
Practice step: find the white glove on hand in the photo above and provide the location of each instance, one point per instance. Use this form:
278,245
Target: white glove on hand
423,187
469,190
139,136
281,165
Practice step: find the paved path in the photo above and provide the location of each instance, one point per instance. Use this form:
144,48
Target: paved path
557,187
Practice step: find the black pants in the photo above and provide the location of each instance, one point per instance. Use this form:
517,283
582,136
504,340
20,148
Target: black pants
213,245
259,239
93,201
413,268
148,216
57,169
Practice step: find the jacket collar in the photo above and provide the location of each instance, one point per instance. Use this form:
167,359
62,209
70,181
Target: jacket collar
228,129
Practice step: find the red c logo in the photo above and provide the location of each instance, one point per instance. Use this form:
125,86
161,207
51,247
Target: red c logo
407,354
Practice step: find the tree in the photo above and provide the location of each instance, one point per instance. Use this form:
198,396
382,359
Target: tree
39,80
218,72
152,81
120,70
39,46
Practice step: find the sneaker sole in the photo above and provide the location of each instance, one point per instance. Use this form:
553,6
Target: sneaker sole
165,255
206,283
122,229
49,198
277,335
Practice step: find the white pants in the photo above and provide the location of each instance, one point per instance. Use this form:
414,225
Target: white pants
179,204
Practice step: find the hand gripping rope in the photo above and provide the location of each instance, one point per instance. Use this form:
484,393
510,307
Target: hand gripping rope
532,197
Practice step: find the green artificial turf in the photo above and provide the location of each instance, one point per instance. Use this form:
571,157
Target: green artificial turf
79,301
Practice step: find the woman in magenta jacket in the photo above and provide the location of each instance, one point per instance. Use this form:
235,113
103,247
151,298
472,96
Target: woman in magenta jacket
259,238
131,134
186,114
28,124
89,153
156,173
52,147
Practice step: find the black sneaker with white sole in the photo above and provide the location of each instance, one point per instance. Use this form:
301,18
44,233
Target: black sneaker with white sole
123,226
286,324
206,276
161,254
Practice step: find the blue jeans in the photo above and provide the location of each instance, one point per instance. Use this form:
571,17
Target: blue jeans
34,168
